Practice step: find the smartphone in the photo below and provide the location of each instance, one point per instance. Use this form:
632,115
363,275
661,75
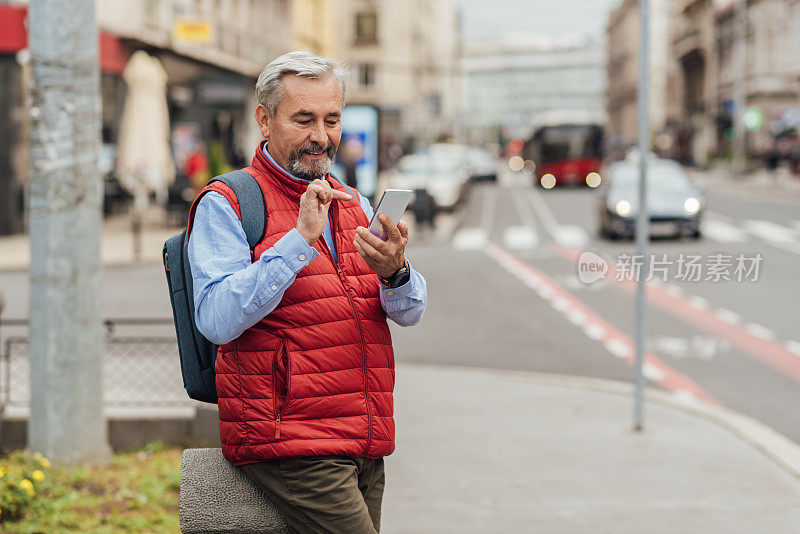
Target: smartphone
393,203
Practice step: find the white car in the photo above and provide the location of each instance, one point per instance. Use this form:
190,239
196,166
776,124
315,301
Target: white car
443,177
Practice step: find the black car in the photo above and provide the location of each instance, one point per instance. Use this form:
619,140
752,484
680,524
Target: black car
674,203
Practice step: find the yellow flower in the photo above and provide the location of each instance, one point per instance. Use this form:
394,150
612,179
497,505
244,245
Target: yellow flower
37,456
27,485
3,470
38,476
45,462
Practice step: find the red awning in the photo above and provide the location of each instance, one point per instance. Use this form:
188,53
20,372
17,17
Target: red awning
14,37
113,54
13,33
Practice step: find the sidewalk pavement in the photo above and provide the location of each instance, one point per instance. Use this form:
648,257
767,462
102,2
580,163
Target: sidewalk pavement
116,246
484,451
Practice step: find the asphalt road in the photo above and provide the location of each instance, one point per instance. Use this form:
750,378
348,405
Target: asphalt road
504,293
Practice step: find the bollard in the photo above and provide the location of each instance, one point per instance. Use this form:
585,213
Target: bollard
217,497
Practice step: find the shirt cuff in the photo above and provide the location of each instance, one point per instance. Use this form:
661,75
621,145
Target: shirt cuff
295,251
399,292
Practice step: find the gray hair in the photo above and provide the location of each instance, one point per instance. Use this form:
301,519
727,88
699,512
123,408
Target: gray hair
269,87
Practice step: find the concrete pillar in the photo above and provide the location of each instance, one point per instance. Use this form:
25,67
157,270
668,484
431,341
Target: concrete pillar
66,423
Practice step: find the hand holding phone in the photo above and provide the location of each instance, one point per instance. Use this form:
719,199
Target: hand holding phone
393,203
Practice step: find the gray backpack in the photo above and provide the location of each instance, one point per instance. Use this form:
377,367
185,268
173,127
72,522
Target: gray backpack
197,353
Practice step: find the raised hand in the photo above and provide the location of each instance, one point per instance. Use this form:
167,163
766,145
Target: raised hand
314,205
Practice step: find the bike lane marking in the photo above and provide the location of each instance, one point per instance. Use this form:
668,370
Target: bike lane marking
596,328
754,340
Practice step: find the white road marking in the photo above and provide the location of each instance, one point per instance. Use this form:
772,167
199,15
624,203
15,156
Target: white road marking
560,304
594,331
675,347
651,372
571,235
489,209
793,347
728,316
476,238
617,348
674,291
546,292
568,235
774,234
759,331
685,396
723,232
576,317
698,302
769,231
470,239
520,238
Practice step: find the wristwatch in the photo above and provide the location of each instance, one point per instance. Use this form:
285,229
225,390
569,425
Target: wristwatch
400,277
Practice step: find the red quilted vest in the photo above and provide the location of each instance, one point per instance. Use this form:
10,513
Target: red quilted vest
315,376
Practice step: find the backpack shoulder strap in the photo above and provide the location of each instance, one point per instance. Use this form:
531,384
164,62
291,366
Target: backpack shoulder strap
251,203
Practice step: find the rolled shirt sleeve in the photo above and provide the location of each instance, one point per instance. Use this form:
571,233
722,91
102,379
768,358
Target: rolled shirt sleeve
406,304
231,294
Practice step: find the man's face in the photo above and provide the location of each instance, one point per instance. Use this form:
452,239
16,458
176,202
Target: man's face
305,132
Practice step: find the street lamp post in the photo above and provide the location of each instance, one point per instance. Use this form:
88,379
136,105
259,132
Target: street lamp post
642,217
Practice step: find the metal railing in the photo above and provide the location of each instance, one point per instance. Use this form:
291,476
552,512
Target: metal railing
140,370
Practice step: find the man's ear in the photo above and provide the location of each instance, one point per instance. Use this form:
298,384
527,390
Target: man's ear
262,118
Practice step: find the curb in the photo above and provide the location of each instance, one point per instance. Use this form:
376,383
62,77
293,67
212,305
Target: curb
771,443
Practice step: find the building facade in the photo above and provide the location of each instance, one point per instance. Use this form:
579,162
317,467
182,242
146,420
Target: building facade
509,84
730,57
622,65
403,58
314,26
211,50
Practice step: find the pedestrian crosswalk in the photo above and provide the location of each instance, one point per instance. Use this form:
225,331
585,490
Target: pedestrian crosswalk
725,230
540,226
719,230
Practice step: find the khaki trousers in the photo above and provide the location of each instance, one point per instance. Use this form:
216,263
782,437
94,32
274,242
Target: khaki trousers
326,494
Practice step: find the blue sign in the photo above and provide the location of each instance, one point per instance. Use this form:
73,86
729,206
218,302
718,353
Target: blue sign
357,157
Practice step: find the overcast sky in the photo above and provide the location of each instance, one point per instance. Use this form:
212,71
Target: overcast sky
494,18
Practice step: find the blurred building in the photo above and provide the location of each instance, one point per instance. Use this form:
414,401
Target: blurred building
403,58
509,83
212,52
314,26
710,68
623,72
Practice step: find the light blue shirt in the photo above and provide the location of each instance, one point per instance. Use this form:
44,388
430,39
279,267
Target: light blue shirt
231,294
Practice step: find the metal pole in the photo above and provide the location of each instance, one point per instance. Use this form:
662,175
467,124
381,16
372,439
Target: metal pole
642,217
66,421
740,88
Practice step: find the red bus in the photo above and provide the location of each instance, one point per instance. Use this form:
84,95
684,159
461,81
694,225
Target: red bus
567,151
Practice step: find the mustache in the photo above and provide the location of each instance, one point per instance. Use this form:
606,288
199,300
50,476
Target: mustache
313,146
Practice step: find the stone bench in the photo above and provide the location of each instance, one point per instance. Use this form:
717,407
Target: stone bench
217,497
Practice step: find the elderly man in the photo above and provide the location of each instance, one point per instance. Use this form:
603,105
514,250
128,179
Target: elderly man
305,370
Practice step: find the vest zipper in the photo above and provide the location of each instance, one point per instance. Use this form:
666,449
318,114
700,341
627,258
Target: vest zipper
286,380
360,332
364,353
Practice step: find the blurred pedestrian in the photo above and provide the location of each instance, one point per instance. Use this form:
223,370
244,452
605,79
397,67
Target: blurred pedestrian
305,371
196,166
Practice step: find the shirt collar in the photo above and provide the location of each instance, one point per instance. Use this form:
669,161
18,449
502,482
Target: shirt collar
266,153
